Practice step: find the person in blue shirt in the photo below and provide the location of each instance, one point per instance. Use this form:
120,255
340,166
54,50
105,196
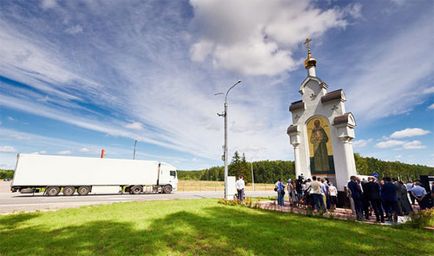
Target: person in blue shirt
419,193
280,189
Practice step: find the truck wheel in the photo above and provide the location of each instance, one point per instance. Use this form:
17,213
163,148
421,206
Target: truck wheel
167,189
136,189
68,191
52,191
83,190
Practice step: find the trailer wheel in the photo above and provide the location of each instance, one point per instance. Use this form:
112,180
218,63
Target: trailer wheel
83,190
68,191
167,189
136,189
52,191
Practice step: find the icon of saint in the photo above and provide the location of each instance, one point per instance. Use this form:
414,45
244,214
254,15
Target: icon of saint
319,140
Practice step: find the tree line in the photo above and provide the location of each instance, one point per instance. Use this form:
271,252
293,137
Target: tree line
269,171
6,174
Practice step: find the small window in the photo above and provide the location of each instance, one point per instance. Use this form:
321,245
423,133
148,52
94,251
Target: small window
173,173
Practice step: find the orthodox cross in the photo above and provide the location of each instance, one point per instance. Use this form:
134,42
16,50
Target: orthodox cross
335,107
312,96
307,43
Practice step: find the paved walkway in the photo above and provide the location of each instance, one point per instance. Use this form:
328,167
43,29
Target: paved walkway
338,213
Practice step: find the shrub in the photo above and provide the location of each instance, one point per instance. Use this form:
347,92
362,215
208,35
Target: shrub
421,219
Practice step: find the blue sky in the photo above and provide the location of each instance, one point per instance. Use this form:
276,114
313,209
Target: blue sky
78,76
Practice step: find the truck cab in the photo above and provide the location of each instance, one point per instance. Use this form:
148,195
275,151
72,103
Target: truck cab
168,176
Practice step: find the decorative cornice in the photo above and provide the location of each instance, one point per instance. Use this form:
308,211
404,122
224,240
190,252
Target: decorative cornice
345,119
292,129
334,95
296,106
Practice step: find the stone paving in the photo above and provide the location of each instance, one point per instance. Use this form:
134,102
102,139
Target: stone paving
338,213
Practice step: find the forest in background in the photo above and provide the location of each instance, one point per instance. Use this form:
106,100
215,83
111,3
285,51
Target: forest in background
269,171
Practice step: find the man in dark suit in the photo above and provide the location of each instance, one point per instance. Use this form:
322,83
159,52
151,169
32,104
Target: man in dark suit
390,200
373,192
356,194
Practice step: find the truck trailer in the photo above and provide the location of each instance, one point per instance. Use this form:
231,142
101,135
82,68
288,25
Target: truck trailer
67,175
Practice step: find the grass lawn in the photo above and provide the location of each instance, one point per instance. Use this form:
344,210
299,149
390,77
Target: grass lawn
198,227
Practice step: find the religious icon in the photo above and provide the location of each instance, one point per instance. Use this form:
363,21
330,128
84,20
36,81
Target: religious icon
320,148
319,140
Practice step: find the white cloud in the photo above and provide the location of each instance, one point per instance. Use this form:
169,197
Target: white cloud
400,144
431,106
48,4
134,126
146,70
42,152
394,88
415,144
390,143
7,149
84,150
258,37
428,90
64,152
398,2
74,30
361,143
409,132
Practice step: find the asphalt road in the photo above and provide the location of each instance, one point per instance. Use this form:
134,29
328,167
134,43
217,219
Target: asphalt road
16,202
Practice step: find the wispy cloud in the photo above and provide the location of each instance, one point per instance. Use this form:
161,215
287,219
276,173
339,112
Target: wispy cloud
389,143
126,71
409,132
361,143
85,150
384,80
260,44
7,149
134,126
74,29
415,144
400,144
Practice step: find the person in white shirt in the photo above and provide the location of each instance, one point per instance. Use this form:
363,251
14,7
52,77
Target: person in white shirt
333,191
240,188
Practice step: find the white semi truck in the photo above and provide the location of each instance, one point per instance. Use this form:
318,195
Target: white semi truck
66,175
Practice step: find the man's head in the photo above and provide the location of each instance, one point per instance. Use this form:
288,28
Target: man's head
313,177
371,179
241,177
353,178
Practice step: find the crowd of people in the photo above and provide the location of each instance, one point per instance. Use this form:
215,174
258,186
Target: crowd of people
386,198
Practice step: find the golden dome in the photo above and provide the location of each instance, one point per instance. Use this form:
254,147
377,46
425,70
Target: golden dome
309,61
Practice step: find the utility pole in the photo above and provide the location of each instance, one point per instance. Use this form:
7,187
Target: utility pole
134,153
253,177
225,146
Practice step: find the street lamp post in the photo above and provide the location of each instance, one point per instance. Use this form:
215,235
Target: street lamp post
225,147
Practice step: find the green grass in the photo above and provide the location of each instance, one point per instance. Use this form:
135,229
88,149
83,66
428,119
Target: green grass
198,227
